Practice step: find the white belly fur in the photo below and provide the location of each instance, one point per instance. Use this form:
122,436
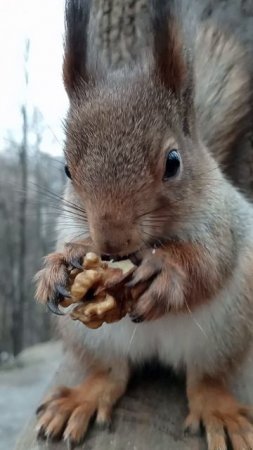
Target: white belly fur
176,340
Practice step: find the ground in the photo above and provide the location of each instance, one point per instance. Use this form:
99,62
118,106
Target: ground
21,388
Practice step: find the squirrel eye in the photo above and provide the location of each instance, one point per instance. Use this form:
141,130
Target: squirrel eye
172,164
67,171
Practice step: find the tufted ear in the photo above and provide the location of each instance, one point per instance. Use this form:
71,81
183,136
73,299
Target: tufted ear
75,67
172,61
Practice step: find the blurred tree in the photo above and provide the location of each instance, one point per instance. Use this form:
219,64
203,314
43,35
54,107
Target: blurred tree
30,185
20,298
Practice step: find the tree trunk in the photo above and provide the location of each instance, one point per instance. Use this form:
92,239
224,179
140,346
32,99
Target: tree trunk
7,284
19,305
41,244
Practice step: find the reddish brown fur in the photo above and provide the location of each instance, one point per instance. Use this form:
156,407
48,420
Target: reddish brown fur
203,277
182,276
55,271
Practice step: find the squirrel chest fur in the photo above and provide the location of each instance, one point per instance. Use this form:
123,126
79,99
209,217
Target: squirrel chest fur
144,185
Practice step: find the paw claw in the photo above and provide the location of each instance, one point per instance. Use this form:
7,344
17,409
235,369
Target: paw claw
40,409
192,431
41,434
70,444
192,426
76,263
104,426
187,431
53,306
63,292
53,303
136,318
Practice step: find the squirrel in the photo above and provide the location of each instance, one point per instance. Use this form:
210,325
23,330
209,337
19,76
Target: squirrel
143,183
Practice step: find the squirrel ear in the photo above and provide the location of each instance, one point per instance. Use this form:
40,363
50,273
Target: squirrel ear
170,66
172,62
75,67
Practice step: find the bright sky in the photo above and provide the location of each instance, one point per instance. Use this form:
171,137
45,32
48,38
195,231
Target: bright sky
41,21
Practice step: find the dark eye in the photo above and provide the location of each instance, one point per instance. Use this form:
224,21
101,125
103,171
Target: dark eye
172,164
67,171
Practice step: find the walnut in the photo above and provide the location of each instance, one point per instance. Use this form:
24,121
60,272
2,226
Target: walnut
99,291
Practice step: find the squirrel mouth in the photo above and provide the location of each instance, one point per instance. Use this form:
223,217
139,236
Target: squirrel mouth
133,257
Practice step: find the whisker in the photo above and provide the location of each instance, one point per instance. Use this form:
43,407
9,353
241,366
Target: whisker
69,206
64,213
194,320
144,243
67,214
131,338
84,235
155,240
62,225
55,195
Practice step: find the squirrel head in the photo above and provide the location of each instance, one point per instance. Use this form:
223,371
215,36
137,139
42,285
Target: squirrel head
132,150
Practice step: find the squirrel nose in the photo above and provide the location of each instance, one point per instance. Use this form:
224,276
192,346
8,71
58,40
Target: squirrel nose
112,236
111,248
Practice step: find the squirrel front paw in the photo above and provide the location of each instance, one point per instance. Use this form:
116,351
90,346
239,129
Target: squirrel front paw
163,285
52,280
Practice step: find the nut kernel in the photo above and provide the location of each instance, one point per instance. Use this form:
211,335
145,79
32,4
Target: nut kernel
83,282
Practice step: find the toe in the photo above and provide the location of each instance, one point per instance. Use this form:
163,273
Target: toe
149,307
43,423
70,444
78,423
56,426
54,414
192,425
249,439
59,392
74,254
215,433
104,413
240,433
238,442
217,440
142,308
145,272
